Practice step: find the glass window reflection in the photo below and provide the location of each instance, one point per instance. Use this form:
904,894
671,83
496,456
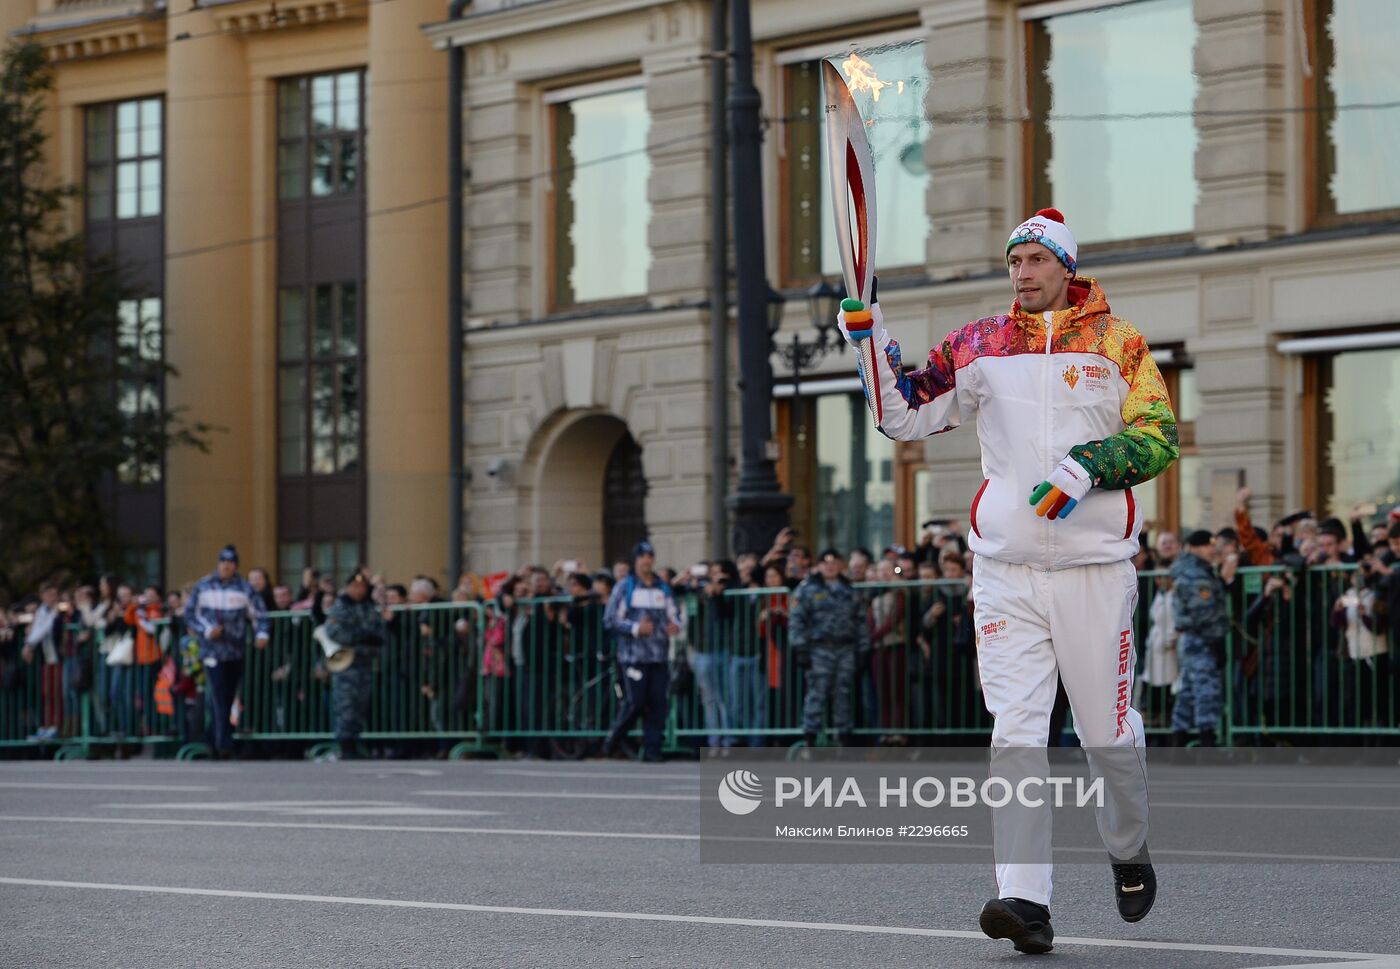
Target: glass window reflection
1356,52
600,198
896,128
855,479
1361,402
1131,59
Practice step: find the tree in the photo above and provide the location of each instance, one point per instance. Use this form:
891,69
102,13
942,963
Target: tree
63,369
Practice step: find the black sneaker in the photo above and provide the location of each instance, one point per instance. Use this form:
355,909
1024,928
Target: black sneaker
1135,885
1026,924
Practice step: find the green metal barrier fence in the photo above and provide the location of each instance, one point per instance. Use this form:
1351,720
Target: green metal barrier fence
424,691
541,678
1304,662
85,701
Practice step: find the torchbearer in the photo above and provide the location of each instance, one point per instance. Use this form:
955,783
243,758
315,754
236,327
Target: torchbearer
1071,413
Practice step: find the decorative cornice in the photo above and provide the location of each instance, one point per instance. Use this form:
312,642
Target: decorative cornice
527,18
124,29
252,16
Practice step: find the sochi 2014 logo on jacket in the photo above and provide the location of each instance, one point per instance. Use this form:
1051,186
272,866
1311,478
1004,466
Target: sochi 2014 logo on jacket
1095,377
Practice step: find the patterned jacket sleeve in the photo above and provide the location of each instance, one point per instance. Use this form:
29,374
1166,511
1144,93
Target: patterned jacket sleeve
615,619
197,618
909,406
1148,444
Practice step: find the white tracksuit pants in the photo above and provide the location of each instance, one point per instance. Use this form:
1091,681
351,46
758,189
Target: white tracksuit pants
1076,622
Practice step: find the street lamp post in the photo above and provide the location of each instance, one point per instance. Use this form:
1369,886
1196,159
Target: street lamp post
759,506
799,355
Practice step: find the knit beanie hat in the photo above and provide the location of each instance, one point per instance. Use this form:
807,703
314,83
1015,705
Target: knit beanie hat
1048,228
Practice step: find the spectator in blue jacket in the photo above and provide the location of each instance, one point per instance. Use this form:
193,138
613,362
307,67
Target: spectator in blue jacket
219,612
642,616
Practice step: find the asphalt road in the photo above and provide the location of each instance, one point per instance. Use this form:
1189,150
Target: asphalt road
438,864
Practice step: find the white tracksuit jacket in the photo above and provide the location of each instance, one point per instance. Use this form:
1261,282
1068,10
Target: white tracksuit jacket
1082,384
1053,598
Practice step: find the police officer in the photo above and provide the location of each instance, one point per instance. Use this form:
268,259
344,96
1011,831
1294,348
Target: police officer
1198,611
827,628
354,622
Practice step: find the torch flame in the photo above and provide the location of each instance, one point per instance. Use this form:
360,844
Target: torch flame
860,76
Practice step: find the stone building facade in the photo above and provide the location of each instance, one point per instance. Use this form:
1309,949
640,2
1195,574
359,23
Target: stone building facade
1223,163
1252,289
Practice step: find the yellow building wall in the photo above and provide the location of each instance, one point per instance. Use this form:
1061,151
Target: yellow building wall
209,301
406,380
220,276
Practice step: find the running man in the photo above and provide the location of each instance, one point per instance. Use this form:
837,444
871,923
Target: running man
1071,413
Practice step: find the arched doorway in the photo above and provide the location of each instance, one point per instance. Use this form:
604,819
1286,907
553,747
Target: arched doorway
587,491
624,501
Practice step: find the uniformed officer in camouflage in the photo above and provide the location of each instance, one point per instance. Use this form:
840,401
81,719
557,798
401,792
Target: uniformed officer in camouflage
354,621
828,627
1199,614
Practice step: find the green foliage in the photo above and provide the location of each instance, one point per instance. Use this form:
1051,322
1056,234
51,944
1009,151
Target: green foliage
63,433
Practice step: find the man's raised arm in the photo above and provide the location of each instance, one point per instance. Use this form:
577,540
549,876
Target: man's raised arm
907,406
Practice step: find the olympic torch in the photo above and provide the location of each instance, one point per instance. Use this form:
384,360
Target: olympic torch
851,180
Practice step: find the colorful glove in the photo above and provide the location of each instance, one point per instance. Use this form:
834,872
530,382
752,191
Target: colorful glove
857,322
1056,496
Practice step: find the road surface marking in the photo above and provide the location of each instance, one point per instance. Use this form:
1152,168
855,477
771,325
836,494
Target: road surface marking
691,919
545,795
1158,853
56,786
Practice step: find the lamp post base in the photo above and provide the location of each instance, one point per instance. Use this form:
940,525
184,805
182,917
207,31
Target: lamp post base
758,516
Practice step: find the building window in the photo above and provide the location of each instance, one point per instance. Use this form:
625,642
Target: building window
854,493
598,200
141,567
139,388
318,382
320,143
320,305
1125,59
336,559
889,81
1355,148
124,149
1357,450
1172,501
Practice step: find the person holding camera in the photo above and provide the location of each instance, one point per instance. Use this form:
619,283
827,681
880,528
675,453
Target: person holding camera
642,616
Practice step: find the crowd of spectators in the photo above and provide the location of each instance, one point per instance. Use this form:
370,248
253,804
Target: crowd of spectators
1311,639
136,653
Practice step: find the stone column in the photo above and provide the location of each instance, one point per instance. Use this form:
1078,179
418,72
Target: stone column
1241,160
498,216
970,150
1244,397
676,451
678,102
